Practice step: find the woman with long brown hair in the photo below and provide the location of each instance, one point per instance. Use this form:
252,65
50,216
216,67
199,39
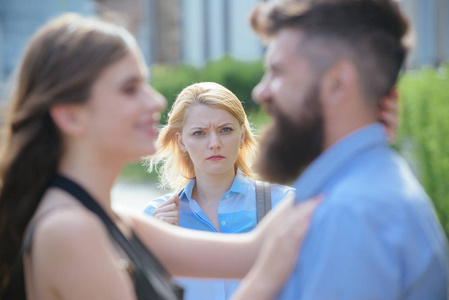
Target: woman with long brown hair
80,111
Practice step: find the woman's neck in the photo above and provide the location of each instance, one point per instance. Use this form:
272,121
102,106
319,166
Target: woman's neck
210,188
95,175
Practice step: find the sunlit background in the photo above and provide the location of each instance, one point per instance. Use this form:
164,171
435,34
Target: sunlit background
195,31
186,41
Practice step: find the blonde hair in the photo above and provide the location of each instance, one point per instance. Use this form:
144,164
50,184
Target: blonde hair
174,166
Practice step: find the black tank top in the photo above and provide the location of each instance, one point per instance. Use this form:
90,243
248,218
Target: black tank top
151,280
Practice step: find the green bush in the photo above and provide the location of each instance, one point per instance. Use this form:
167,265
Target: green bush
423,135
137,172
238,76
424,132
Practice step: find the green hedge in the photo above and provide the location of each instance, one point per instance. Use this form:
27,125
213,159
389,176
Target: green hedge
424,132
423,135
238,76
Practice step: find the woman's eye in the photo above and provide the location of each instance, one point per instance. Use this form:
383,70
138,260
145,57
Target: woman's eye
198,133
226,129
130,90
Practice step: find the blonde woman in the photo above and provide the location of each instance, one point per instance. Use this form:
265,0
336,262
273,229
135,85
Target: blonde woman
205,154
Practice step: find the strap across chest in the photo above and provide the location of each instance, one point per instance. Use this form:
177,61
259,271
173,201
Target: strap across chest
263,199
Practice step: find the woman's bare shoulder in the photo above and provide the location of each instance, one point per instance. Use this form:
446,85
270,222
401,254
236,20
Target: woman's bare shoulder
70,242
61,221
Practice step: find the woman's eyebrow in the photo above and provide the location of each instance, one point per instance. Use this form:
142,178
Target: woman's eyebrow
197,127
227,124
131,79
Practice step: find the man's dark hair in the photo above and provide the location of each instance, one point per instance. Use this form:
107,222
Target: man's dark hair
369,33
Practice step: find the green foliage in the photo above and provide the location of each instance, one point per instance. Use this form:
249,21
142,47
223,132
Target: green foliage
424,117
424,132
238,76
137,172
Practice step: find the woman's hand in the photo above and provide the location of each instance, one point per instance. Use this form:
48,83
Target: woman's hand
168,211
389,113
193,253
279,252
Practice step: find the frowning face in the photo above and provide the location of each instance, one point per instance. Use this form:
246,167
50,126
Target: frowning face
211,137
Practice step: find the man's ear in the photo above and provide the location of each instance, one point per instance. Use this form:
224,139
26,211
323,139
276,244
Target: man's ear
180,142
68,118
337,81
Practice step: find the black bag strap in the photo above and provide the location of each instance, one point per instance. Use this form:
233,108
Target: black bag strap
86,199
263,199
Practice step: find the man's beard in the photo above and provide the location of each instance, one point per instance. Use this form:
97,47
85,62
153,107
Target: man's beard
288,146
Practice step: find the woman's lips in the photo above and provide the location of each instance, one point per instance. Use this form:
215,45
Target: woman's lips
215,157
148,127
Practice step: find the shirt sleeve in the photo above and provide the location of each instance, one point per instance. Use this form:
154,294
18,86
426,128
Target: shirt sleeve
153,204
349,253
280,192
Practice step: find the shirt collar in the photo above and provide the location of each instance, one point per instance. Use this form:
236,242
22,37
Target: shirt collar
239,185
187,191
332,159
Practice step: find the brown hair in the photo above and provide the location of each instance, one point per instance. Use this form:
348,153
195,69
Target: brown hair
61,63
370,33
177,167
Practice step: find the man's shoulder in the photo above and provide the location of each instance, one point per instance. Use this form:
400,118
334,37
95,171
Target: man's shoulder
378,187
378,175
280,192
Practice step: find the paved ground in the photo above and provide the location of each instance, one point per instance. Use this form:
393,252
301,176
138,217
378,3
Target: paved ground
133,195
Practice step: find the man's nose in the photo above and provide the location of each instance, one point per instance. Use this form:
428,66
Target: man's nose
261,92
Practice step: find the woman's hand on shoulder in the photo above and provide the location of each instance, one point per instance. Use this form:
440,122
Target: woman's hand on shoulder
168,211
73,258
279,252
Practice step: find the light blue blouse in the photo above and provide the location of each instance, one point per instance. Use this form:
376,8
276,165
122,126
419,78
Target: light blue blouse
236,214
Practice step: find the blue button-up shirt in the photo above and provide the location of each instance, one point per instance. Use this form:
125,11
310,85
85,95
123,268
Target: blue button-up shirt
236,214
376,235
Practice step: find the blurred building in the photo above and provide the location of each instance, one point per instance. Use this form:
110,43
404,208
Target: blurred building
20,19
212,28
430,24
195,31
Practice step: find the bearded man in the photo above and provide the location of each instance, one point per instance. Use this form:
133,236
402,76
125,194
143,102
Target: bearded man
375,236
